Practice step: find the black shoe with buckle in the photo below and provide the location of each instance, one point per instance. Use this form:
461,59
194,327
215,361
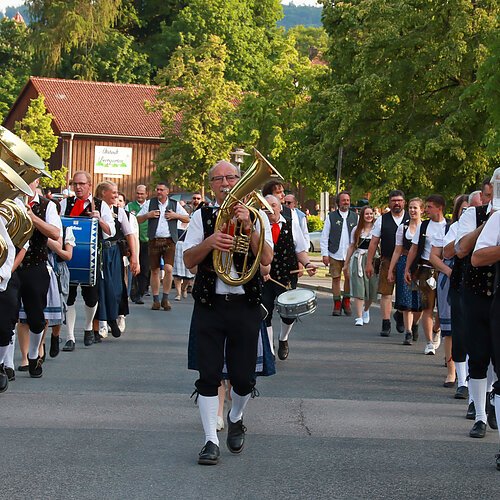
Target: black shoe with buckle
54,346
69,346
115,330
478,430
471,411
283,349
462,393
11,374
4,379
209,454
88,337
386,328
398,318
235,435
35,367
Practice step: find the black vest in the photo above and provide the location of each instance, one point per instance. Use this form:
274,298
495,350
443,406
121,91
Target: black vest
406,242
37,250
70,203
118,225
153,223
206,277
285,257
388,233
479,280
336,227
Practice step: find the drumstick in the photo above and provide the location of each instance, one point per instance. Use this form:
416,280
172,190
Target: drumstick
278,283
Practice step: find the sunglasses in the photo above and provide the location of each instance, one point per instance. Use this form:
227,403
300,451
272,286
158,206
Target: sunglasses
288,202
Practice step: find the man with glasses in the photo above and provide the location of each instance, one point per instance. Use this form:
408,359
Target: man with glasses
162,214
226,319
140,282
196,201
384,232
84,205
291,203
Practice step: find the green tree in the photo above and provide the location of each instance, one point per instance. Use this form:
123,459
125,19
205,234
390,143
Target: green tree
15,62
35,129
198,106
309,41
399,95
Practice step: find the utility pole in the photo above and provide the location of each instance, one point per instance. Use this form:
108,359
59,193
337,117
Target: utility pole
339,167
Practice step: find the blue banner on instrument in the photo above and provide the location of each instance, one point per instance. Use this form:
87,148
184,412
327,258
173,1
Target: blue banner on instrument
83,265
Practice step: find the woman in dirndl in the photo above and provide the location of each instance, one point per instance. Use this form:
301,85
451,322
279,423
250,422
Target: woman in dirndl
408,298
183,277
363,289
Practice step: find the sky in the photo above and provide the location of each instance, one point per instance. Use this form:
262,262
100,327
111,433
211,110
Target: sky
15,3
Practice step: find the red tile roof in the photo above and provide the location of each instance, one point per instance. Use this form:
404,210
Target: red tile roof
100,108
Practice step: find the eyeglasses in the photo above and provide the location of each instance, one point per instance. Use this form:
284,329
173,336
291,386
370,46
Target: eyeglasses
195,198
288,202
220,178
396,200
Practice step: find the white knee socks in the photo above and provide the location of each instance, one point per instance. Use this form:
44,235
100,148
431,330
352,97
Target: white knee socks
35,341
491,376
477,390
461,369
9,357
285,331
3,353
209,405
89,317
70,322
270,337
238,406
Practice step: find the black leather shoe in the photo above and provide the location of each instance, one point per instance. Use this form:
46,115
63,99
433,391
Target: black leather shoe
283,349
88,337
140,302
54,346
209,454
11,374
478,430
414,332
235,435
4,380
492,416
35,367
97,338
471,412
69,346
386,328
23,368
462,393
398,318
408,338
115,330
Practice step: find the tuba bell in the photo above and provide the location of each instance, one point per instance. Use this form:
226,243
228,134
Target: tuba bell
243,192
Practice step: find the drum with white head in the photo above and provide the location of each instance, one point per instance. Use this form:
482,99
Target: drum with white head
296,303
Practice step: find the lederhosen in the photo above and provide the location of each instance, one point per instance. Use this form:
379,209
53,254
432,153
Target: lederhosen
33,275
284,261
110,284
10,303
90,294
223,324
478,288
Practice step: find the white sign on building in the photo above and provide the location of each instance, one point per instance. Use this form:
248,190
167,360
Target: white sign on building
111,160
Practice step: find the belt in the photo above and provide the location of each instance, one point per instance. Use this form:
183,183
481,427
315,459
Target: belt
425,263
231,297
162,239
109,244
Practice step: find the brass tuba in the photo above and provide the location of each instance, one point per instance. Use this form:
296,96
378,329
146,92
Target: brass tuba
243,192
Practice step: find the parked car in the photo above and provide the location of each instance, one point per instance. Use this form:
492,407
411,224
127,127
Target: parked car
315,237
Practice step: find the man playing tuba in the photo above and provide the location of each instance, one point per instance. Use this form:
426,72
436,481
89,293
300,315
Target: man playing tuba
226,318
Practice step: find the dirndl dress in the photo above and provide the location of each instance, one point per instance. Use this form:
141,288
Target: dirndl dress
180,270
407,299
443,300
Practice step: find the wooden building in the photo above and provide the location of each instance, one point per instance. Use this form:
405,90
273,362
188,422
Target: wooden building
103,128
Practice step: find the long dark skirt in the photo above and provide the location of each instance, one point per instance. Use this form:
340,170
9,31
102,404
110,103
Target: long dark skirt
406,298
110,284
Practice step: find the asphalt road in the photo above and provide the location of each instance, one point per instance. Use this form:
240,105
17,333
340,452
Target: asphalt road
348,415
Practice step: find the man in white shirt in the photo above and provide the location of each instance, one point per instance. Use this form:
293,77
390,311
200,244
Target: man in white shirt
419,268
334,242
162,214
291,202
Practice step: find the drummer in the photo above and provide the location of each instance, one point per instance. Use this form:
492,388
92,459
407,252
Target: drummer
84,205
290,248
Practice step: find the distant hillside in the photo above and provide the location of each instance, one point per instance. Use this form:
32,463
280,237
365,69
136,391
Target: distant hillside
10,12
301,15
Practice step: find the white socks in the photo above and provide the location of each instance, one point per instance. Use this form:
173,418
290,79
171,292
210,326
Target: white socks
477,390
89,317
239,403
209,405
3,353
35,341
461,369
9,357
70,322
491,376
270,337
285,331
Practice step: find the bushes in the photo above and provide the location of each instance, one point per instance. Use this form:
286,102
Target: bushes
314,223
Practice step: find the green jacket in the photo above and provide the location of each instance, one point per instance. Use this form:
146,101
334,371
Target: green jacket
133,207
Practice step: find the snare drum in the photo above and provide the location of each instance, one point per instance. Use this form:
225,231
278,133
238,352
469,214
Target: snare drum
296,303
83,265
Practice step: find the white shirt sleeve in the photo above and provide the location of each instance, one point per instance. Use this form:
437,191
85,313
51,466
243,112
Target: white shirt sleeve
466,224
194,235
52,217
134,225
490,235
377,227
144,209
325,236
451,234
298,237
70,237
107,216
416,236
180,209
6,269
123,220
